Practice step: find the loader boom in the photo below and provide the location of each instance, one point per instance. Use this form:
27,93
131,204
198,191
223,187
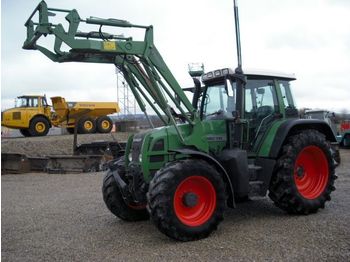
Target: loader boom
140,62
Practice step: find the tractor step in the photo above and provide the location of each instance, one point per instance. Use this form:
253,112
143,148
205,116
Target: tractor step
256,188
253,171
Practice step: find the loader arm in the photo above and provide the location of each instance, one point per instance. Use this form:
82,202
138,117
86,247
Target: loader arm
140,62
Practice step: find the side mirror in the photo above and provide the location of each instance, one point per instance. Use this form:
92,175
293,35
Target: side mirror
229,88
197,92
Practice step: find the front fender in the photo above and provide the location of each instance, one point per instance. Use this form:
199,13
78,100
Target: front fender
210,159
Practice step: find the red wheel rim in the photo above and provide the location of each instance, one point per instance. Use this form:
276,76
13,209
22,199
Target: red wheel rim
311,172
202,207
137,207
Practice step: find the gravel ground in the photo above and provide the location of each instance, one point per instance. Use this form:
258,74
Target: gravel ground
63,218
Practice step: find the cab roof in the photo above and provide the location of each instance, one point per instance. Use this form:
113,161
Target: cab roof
222,73
29,96
275,74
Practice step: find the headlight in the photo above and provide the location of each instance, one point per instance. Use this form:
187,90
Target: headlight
130,157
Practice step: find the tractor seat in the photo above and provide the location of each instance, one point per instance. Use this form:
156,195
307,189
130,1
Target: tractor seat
264,111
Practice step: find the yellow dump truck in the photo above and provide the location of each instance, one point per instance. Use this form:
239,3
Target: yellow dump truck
33,116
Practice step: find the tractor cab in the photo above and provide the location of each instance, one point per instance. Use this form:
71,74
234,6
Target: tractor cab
265,98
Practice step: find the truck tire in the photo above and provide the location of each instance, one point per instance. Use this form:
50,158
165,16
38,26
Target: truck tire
24,132
86,125
70,130
39,126
304,175
104,124
114,199
186,199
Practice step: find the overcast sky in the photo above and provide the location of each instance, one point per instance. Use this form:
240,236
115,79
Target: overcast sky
309,38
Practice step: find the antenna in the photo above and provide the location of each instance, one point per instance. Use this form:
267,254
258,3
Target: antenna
238,38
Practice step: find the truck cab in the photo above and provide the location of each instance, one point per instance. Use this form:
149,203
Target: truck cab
24,116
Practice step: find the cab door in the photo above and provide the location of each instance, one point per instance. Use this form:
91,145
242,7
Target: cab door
261,110
32,108
44,107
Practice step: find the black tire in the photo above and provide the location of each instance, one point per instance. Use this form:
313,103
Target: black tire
24,132
70,130
169,183
304,175
336,155
114,200
104,124
86,125
39,126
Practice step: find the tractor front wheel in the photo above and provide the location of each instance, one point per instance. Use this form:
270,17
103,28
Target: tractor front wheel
304,175
114,199
186,199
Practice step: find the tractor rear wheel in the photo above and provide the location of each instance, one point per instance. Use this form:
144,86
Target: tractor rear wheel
86,125
104,124
304,175
186,199
39,126
114,199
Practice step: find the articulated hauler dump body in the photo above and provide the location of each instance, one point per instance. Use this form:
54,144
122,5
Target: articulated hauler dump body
240,136
34,117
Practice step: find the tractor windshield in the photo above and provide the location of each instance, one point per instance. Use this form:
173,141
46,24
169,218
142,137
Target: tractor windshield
219,100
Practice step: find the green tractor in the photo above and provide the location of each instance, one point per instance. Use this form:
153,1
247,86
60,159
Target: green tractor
239,137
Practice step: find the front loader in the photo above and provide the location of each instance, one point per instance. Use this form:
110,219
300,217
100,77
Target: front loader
239,137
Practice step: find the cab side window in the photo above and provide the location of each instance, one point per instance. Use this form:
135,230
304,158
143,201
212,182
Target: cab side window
33,102
265,101
290,109
286,94
260,105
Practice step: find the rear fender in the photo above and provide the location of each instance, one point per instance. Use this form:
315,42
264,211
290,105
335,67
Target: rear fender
295,126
